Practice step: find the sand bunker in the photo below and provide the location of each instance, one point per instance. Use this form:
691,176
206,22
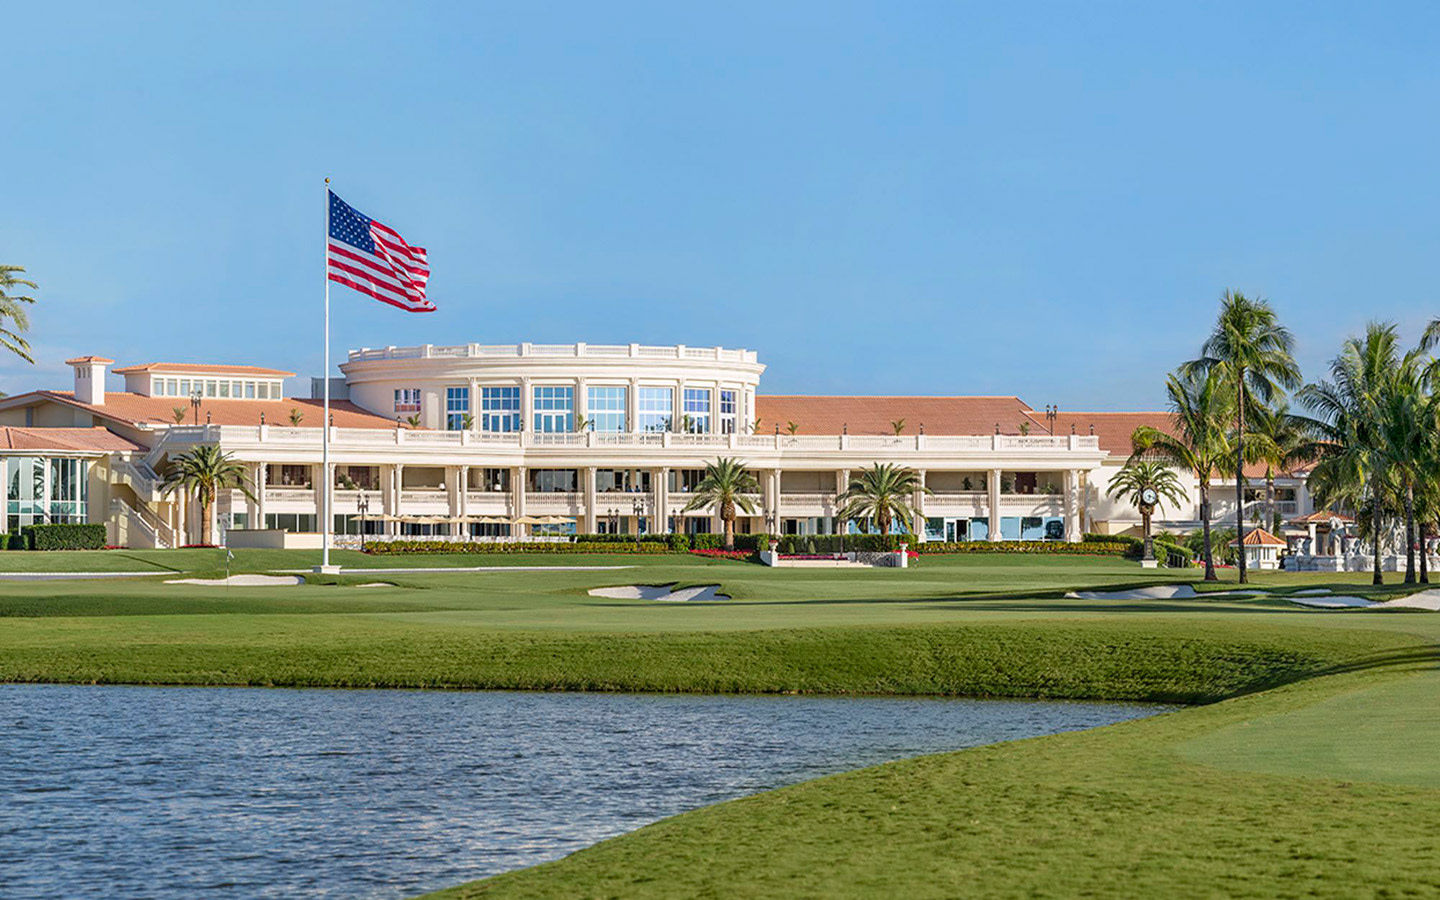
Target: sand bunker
661,592
1158,592
243,581
1331,601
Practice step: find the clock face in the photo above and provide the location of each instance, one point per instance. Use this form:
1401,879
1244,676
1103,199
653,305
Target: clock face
1148,497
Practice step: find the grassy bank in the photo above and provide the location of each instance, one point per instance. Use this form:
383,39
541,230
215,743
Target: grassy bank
974,626
1268,795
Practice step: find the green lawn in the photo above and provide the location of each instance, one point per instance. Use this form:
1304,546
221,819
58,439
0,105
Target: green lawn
1315,777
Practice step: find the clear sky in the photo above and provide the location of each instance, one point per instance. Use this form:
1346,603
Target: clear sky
887,198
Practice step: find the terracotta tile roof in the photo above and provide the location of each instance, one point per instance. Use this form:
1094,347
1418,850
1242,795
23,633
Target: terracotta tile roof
135,409
80,360
202,368
873,415
1259,537
85,439
1320,517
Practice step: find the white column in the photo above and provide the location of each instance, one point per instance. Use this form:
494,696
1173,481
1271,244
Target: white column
660,495
527,406
517,489
261,478
715,409
677,407
474,405
588,518
1072,506
918,504
632,406
582,400
992,486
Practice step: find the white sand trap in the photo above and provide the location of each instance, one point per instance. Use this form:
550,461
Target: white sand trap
1331,602
244,581
1424,600
1157,592
1312,592
374,584
661,592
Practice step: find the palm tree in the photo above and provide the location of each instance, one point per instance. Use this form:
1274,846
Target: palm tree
13,318
205,470
1280,441
1406,426
1199,440
1254,356
882,492
897,425
726,485
1353,467
1145,483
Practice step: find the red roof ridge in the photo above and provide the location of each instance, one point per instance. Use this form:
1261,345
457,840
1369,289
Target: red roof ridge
217,368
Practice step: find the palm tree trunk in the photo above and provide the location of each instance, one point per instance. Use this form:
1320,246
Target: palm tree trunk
1375,532
1240,471
1269,499
204,521
1409,532
729,524
1424,556
1205,525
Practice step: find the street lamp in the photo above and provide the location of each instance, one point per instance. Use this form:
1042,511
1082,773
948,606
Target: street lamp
195,404
639,508
362,505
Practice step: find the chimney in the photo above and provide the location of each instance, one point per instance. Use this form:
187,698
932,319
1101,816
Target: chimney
90,378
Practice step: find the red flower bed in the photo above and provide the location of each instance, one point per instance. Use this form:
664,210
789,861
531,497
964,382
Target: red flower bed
723,554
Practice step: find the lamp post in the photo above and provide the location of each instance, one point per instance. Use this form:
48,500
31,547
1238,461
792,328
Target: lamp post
639,508
195,405
362,505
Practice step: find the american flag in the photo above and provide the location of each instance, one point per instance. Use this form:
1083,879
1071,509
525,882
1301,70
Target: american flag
374,259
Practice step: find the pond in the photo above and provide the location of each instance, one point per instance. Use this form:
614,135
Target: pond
237,792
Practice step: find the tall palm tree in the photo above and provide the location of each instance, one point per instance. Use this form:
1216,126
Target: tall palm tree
204,471
1254,355
13,318
1279,440
1350,409
1406,427
725,485
881,492
1198,441
1147,483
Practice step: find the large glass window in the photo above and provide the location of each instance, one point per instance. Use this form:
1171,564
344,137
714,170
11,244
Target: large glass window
39,490
728,412
553,481
607,408
612,481
554,409
656,406
457,408
500,409
697,410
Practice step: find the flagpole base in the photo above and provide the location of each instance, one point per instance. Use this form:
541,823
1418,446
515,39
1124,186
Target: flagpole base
326,570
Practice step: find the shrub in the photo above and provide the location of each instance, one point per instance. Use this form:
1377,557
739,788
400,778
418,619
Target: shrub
446,546
64,537
1083,548
791,544
724,554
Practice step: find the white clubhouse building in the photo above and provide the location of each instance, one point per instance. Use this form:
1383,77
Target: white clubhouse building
496,441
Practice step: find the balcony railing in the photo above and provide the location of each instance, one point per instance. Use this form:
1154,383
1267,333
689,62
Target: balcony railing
379,437
564,351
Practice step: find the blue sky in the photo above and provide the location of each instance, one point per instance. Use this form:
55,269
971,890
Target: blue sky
890,198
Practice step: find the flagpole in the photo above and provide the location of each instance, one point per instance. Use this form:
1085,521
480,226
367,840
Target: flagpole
325,420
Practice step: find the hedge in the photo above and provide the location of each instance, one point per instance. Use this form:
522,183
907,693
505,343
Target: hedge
835,543
1173,555
442,546
64,537
1083,548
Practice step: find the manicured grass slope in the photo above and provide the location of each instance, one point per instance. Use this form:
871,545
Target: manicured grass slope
1138,809
963,625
